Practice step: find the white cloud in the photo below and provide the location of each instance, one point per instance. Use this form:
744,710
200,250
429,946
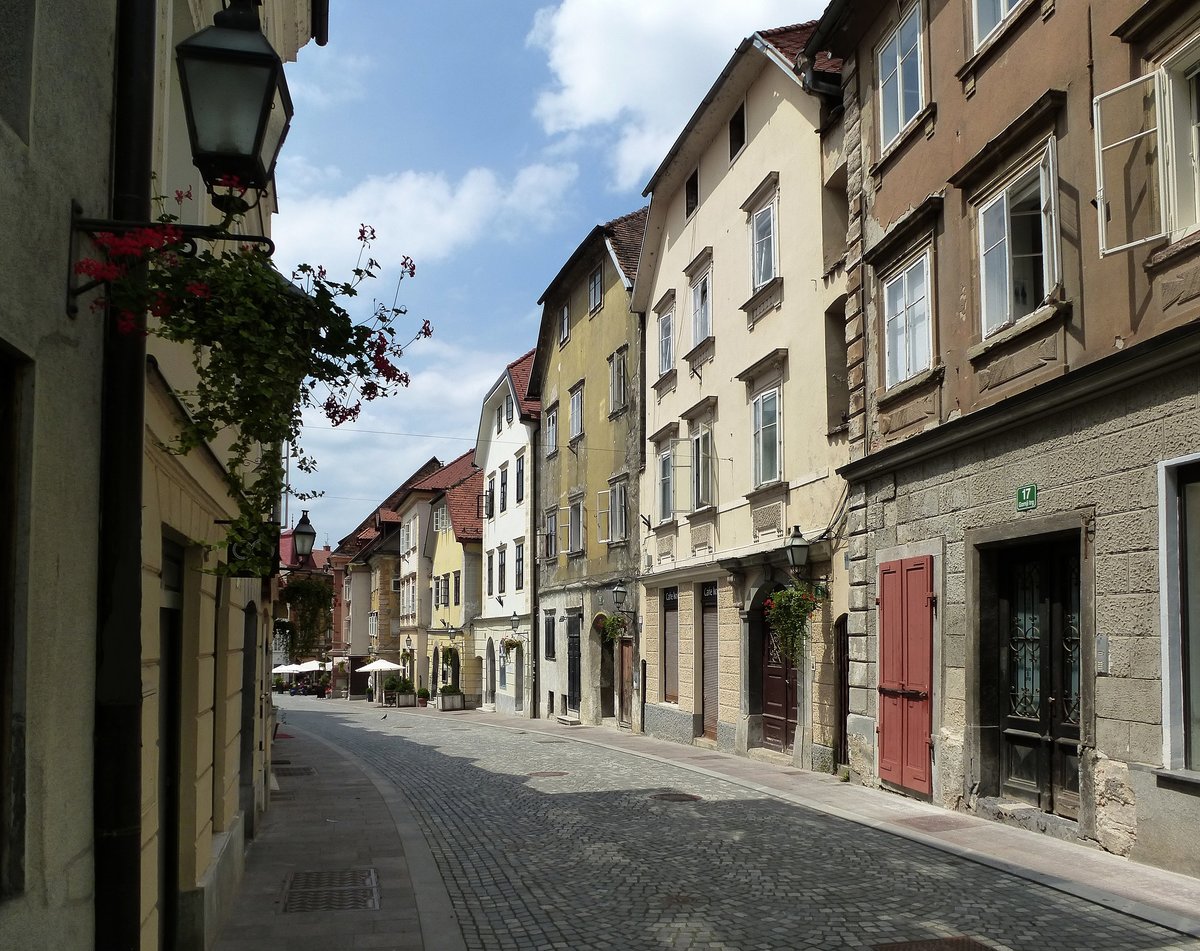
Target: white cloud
642,67
422,214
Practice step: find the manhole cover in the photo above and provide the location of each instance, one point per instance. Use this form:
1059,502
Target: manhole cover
346,889
295,771
547,772
675,797
935,944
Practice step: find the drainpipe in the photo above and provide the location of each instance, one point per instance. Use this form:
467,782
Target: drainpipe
535,611
117,742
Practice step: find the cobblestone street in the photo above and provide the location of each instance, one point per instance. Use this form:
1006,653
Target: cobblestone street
544,842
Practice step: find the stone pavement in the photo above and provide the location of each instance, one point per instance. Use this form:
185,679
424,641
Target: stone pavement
492,832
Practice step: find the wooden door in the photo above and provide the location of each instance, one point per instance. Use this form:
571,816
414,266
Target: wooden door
779,694
626,708
573,663
906,673
708,637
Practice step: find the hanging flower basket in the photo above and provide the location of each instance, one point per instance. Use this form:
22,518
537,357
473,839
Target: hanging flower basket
788,614
616,626
509,644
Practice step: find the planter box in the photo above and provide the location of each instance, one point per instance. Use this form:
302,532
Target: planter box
450,701
406,699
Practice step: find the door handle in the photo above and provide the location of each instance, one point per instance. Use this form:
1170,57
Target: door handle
906,693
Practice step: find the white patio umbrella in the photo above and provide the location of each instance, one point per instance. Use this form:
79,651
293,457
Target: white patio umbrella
378,665
285,669
309,666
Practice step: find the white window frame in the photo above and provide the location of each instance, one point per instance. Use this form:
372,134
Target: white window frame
619,516
898,74
397,582
666,486
1174,138
504,488
702,307
564,323
761,276
999,268
616,381
575,533
596,288
552,431
489,506
702,467
666,342
1006,9
519,566
906,364
760,436
576,412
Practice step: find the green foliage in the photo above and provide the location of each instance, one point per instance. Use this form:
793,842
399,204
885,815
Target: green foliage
616,626
310,601
392,683
449,690
423,693
787,613
405,686
264,349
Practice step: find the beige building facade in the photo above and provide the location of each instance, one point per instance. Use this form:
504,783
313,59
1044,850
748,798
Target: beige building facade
742,291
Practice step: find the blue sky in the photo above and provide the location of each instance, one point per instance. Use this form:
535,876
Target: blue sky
484,139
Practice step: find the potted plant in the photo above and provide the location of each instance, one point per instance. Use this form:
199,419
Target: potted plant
450,698
279,684
422,697
404,693
390,685
509,644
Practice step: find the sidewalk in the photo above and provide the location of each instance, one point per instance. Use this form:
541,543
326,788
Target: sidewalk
351,818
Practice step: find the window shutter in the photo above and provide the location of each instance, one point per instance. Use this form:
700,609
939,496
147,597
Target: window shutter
1048,173
1129,150
891,669
681,475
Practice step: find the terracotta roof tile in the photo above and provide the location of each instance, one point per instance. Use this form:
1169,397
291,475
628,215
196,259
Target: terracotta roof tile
626,236
790,41
462,501
351,543
519,370
450,474
387,515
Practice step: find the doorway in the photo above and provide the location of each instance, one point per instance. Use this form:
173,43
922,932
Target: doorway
779,692
608,687
170,727
841,710
708,642
573,662
490,691
626,708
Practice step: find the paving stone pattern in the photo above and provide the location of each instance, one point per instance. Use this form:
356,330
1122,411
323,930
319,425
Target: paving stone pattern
591,859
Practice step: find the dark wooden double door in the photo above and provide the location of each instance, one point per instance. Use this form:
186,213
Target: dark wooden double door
1039,646
780,687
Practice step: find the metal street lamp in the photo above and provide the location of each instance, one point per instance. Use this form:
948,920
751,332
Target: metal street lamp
236,100
304,536
516,621
796,549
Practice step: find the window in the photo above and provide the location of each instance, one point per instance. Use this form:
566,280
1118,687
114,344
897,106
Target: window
499,419
552,534
701,308
564,323
616,381
575,529
1018,245
611,513
906,315
508,407
691,194
519,566
396,583
762,237
577,411
666,487
441,519
501,570
552,432
766,437
737,131
666,343
1179,483
489,507
520,489
702,494
457,588
900,77
548,627
504,489
503,659
989,14
596,289
1147,140
490,586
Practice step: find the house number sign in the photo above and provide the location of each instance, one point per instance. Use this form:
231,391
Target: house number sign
1026,498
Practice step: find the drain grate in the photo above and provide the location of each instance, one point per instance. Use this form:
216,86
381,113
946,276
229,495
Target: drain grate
675,797
347,889
935,944
295,771
548,772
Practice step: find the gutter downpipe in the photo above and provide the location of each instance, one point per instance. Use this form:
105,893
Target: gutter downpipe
117,742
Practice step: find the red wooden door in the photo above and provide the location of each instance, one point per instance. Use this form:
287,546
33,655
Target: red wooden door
906,673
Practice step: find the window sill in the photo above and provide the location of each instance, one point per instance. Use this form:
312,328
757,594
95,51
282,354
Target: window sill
1182,777
579,553
998,38
665,381
619,411
767,489
1171,254
905,388
1025,325
666,524
574,441
925,120
552,453
705,511
704,349
617,543
767,298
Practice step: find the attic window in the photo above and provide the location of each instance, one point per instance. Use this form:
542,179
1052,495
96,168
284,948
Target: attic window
737,132
508,407
691,194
